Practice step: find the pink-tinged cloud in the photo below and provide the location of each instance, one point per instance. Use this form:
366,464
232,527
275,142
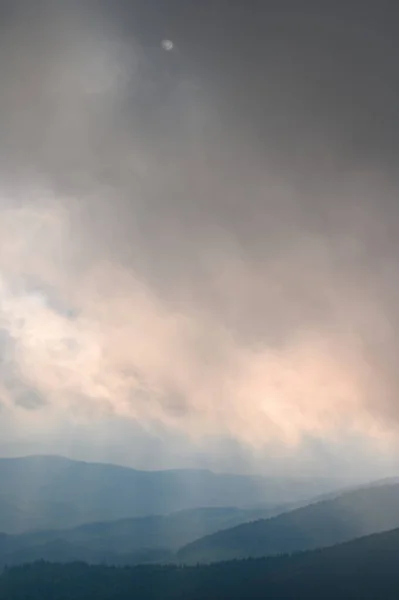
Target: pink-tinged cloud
161,264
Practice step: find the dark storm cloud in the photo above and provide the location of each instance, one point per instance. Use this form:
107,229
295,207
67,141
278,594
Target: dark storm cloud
207,236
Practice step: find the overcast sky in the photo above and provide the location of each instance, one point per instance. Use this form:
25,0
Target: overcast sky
199,233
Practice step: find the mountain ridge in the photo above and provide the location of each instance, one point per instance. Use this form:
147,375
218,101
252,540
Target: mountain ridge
363,569
363,511
42,492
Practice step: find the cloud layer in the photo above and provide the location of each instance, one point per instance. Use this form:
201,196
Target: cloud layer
170,256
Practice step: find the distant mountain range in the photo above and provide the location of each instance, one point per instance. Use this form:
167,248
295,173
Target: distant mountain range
56,493
352,514
82,491
61,510
126,541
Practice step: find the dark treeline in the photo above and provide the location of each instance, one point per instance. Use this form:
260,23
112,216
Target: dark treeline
366,568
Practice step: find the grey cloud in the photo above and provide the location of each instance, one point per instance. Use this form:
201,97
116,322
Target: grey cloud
30,400
205,238
13,389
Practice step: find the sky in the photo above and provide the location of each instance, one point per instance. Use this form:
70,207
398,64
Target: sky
199,233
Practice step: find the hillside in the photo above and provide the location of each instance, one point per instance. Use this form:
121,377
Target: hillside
56,493
353,514
211,534
364,569
125,541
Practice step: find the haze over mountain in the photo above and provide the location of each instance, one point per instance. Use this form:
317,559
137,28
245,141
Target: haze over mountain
52,492
126,541
327,522
77,491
